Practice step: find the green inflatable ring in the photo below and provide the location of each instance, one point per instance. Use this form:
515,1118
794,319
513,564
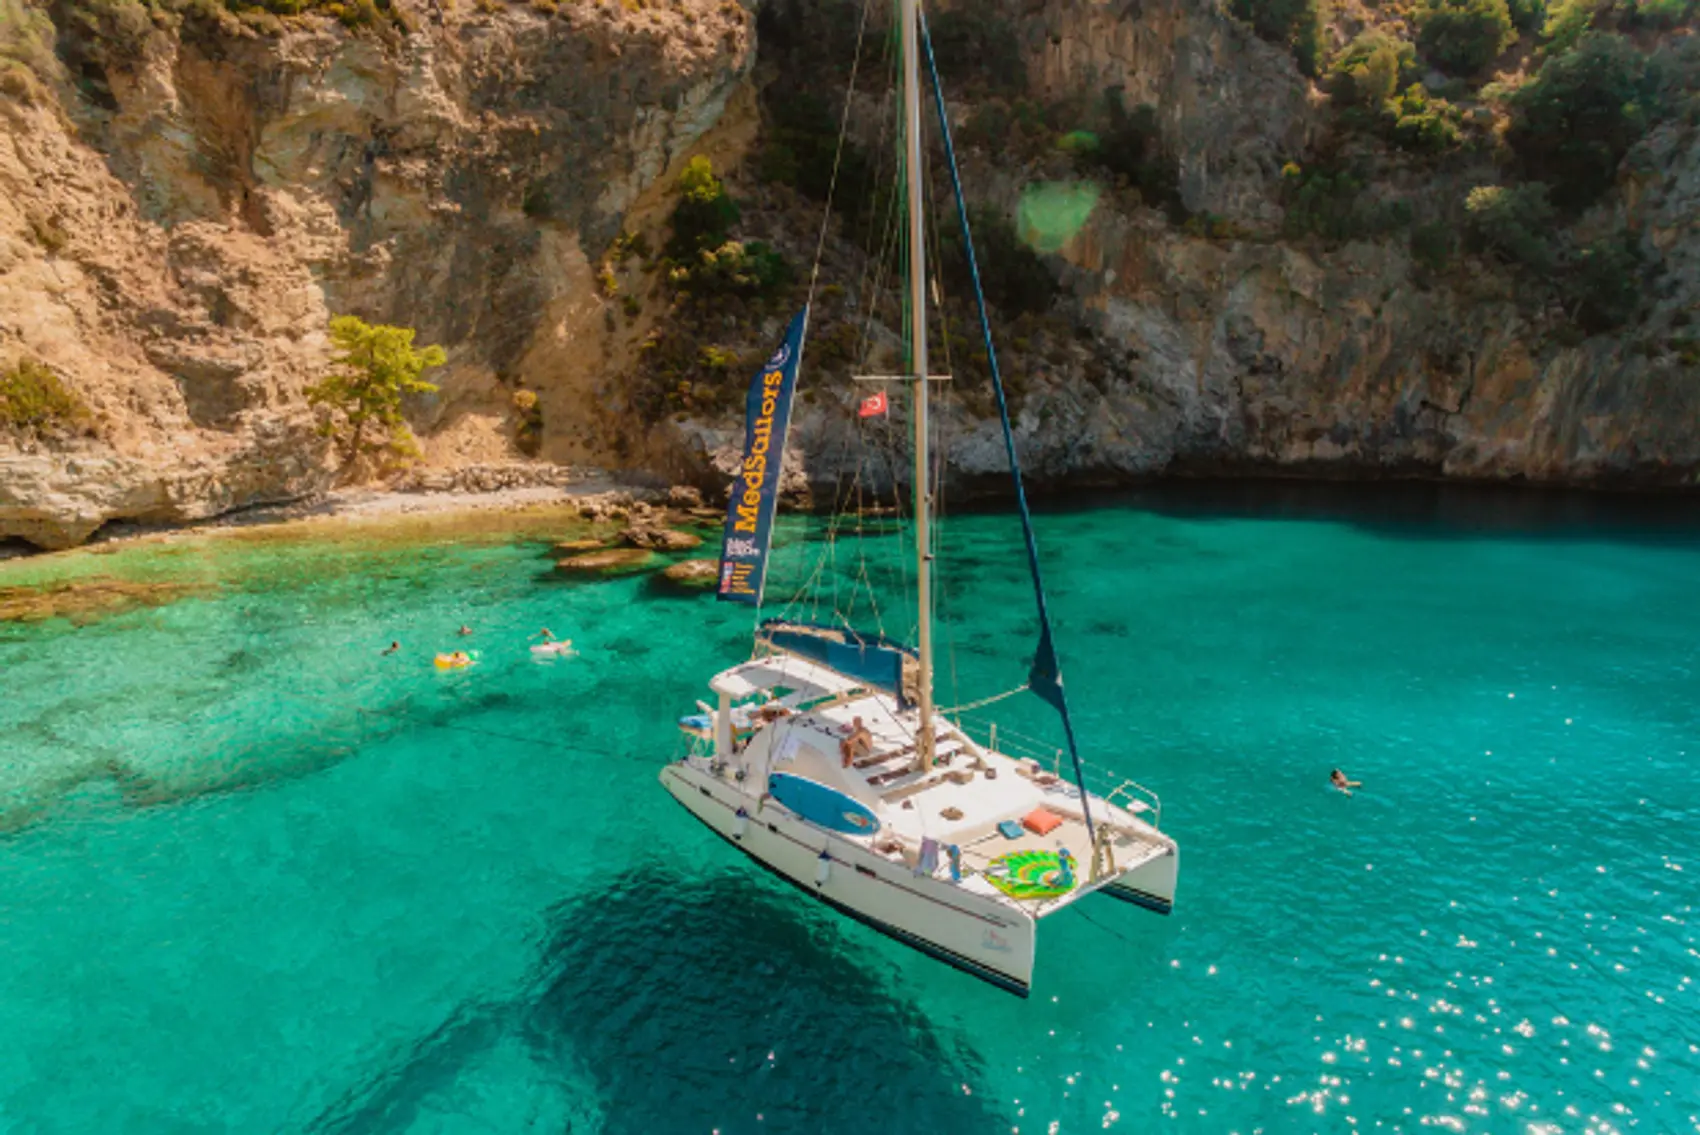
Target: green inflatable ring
1032,874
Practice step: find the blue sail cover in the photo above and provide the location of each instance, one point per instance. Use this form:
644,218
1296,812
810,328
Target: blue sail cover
755,494
874,659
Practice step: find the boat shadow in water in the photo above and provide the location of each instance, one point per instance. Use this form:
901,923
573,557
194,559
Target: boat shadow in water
666,997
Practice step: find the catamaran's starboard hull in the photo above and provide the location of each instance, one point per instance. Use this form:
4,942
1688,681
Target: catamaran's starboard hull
976,935
1150,885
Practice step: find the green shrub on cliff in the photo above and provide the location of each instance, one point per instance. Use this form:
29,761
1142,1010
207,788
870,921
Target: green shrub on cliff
1013,276
801,145
1424,124
1364,81
1369,69
1576,119
1294,24
1565,22
703,257
528,422
34,402
1603,286
1527,16
1432,244
705,213
1335,204
734,268
375,366
1661,14
1513,223
1130,146
26,49
1462,37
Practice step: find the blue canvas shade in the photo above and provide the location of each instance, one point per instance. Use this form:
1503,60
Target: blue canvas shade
869,658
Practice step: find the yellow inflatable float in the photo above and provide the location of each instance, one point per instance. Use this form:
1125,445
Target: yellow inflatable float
458,660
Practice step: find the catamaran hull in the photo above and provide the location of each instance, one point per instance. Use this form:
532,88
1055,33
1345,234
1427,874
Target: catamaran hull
977,936
1150,885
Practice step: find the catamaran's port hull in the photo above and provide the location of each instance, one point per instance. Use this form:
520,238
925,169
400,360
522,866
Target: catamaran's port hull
974,934
1150,885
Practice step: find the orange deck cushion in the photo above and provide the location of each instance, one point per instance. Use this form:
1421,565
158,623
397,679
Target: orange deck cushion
1041,821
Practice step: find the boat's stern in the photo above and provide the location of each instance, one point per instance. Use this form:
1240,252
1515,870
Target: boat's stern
1150,884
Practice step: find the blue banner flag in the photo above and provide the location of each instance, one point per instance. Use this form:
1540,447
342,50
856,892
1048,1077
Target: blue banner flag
755,494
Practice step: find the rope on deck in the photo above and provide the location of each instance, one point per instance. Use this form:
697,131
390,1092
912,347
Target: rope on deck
983,702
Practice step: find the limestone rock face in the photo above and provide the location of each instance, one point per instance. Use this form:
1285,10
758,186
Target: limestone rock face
1254,350
1230,105
179,224
184,207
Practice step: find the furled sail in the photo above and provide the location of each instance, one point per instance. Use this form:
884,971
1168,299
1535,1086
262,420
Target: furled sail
755,494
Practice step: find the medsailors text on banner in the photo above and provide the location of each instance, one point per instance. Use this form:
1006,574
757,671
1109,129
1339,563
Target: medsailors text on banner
755,494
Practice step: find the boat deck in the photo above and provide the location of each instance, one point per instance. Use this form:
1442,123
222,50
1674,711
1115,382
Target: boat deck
1129,851
968,794
961,800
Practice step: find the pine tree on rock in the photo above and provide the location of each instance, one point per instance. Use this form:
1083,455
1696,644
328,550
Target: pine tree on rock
375,366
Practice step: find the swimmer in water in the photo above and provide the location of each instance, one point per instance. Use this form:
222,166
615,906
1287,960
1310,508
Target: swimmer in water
464,630
393,647
1338,780
544,635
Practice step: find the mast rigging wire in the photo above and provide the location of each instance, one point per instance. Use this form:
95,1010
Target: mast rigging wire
1046,675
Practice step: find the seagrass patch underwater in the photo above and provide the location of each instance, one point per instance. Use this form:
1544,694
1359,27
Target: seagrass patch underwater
260,876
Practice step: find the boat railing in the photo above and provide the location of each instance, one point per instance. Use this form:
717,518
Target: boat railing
1049,757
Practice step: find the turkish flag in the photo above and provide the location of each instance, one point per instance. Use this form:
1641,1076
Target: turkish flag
872,406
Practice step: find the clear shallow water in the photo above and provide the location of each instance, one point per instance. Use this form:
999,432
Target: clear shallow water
260,878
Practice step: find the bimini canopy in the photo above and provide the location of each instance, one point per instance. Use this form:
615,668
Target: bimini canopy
800,679
872,659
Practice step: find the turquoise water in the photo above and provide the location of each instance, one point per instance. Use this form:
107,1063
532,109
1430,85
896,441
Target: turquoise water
259,878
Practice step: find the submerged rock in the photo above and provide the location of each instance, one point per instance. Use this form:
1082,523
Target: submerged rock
609,561
577,547
83,601
659,538
692,575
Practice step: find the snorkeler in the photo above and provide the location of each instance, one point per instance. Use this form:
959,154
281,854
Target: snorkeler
1338,780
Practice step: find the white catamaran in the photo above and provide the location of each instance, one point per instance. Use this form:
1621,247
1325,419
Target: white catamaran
824,758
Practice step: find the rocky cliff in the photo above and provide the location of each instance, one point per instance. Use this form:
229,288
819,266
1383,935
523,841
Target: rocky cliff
189,197
191,193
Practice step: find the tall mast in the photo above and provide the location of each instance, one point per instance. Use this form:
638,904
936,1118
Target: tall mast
910,12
